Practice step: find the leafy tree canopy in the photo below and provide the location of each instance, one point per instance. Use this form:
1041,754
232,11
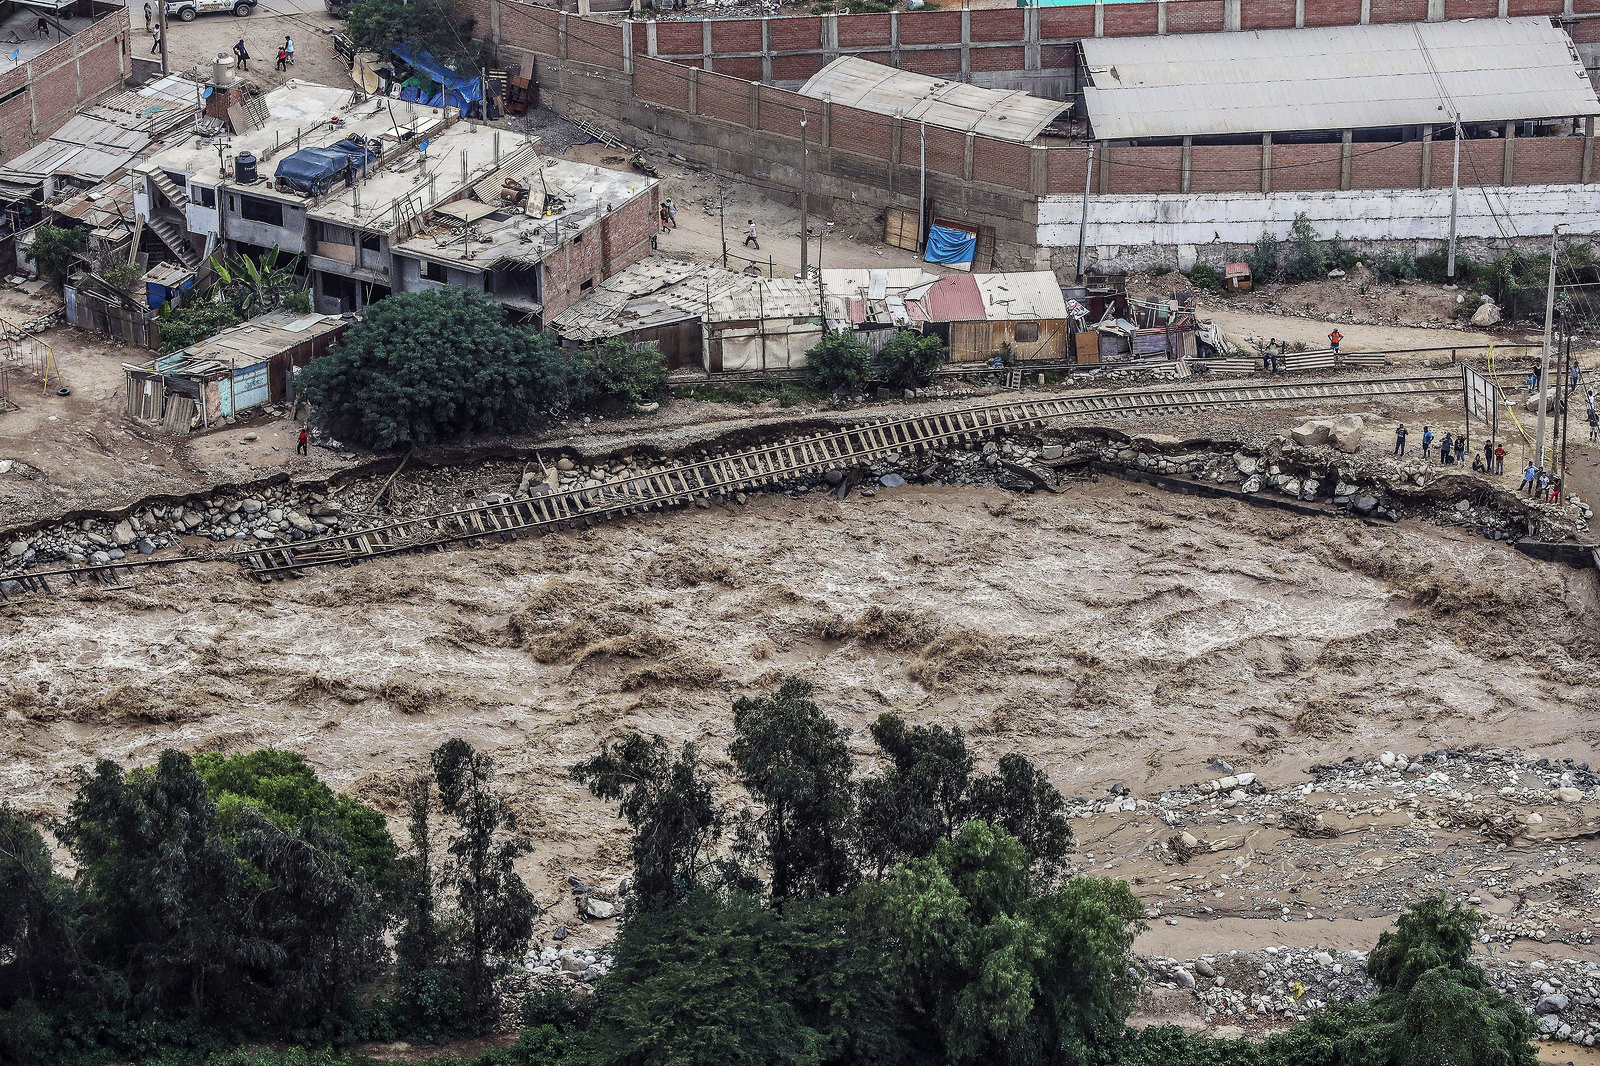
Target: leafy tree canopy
839,363
56,249
432,26
908,360
424,367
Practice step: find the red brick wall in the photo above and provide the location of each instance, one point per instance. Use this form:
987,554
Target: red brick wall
1000,163
661,83
734,35
1065,170
1547,160
1480,163
1305,166
1057,22
930,27
859,31
1584,7
1193,16
1387,166
947,149
1134,170
1533,7
626,232
1333,12
998,58
1586,31
792,34
16,120
859,132
1465,9
779,111
672,38
1266,14
1130,20
939,62
1399,10
1222,168
724,98
995,25
787,68
598,44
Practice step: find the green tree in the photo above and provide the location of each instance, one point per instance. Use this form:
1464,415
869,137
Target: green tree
252,286
429,1003
125,277
999,971
423,367
56,250
909,359
496,910
839,363
1020,799
287,792
792,759
676,824
432,26
202,317
920,798
41,966
617,372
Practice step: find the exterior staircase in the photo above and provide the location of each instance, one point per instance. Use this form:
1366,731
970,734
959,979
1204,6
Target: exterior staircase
172,236
175,196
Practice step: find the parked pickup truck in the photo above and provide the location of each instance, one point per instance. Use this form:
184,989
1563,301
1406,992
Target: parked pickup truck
186,10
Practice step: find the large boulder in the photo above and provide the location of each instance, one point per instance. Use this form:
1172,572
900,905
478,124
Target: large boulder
1550,401
1312,433
1487,314
1347,433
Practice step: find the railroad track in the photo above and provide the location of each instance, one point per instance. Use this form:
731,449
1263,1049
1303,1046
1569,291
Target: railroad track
97,573
769,464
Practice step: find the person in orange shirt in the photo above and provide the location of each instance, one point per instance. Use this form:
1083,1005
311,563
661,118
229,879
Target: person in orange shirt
1333,340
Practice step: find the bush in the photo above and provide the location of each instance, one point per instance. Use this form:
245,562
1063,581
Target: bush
618,373
909,359
1206,278
839,363
423,367
55,250
125,277
1395,266
195,321
1302,257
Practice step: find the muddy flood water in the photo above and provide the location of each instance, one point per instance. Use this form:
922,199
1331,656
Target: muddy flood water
1115,635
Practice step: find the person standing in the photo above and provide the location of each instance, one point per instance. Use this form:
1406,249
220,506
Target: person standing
44,28
1447,449
303,448
1488,454
243,55
283,61
1499,458
1266,357
1400,439
663,216
1529,476
288,47
1544,485
1461,450
1594,424
1427,444
672,213
149,16
750,236
1333,340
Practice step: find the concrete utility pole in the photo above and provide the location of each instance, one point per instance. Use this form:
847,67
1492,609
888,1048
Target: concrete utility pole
922,177
1083,223
163,5
805,196
1455,192
1544,359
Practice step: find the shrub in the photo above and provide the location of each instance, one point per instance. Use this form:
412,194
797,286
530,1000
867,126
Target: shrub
909,359
1207,278
618,373
839,363
195,321
1395,266
55,249
125,277
429,366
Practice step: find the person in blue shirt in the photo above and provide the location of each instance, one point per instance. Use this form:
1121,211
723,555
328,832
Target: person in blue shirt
1427,443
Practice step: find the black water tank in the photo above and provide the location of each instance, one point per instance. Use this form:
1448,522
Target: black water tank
244,168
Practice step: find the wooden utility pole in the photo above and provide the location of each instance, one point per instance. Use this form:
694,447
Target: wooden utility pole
163,20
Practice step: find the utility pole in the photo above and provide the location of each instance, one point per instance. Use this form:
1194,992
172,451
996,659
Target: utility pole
1083,223
805,196
922,178
1565,412
1544,363
722,226
1455,192
162,4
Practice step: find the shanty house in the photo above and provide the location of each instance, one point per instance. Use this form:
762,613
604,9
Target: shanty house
976,314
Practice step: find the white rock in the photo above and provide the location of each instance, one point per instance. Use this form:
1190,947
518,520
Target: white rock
1487,313
1569,795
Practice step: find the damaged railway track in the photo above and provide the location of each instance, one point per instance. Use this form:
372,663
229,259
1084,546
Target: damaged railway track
680,484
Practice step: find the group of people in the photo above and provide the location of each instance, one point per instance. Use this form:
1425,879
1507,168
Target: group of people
669,215
1273,352
240,52
1537,483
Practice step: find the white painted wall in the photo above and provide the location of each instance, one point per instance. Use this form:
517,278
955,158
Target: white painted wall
1172,219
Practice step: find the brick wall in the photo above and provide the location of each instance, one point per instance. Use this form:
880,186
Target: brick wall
736,35
626,232
995,25
1480,163
1193,16
1400,10
661,83
1305,166
864,31
930,27
1333,13
1388,166
724,98
1059,22
1547,160
1134,170
619,240
1129,20
859,132
1001,163
1064,170
1223,168
38,96
793,34
1266,14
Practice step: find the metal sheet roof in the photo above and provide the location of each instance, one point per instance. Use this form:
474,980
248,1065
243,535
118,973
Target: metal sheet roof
1334,78
1007,115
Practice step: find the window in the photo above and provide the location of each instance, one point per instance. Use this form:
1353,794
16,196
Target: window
203,196
369,242
578,239
434,272
586,286
1027,332
266,212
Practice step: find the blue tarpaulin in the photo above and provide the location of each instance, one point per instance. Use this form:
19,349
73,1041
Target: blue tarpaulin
314,170
947,245
459,91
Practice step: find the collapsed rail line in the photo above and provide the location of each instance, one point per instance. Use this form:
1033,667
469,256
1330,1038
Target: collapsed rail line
679,484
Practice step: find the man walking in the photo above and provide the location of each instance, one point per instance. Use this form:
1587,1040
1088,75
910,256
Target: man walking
1594,424
750,236
1400,439
1427,444
155,42
243,55
303,448
288,48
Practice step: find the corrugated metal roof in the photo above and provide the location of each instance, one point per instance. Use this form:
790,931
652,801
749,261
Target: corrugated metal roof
1022,295
1334,78
1007,115
953,298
